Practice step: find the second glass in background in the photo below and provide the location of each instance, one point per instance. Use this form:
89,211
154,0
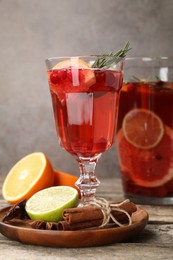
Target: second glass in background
145,130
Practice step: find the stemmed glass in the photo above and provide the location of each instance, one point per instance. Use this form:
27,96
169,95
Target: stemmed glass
85,104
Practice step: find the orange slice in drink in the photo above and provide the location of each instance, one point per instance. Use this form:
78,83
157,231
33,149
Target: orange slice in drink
73,62
143,128
28,176
87,77
147,168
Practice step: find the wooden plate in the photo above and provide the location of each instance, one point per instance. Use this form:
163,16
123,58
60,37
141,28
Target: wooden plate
82,238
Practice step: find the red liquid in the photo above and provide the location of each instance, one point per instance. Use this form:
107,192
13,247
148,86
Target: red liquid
148,172
85,112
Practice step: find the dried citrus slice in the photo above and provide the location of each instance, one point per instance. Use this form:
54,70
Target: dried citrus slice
29,175
143,128
48,204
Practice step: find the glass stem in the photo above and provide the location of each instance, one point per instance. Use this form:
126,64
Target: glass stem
87,182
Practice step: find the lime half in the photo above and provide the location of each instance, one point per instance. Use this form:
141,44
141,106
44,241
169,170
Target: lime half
48,204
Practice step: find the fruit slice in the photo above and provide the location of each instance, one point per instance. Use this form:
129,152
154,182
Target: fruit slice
64,179
48,204
143,128
73,62
81,73
31,174
147,168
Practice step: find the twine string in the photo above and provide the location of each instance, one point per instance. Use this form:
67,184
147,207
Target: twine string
107,208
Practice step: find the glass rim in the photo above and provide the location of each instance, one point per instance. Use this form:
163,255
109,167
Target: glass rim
77,57
148,58
116,65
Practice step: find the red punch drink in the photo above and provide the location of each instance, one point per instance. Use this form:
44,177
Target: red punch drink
85,114
85,98
145,141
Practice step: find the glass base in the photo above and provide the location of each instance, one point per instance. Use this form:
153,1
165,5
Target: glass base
149,200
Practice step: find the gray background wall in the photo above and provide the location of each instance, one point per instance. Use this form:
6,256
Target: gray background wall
32,30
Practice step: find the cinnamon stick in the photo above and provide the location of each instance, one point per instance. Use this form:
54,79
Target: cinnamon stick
89,216
63,225
73,218
36,224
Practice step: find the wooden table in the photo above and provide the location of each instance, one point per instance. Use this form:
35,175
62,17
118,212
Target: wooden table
154,242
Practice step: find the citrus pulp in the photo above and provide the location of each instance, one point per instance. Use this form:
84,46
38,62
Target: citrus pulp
48,204
29,175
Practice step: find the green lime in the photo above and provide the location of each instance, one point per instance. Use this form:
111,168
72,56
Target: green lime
48,204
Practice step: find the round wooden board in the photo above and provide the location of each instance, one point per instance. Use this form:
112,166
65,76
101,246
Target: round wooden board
79,238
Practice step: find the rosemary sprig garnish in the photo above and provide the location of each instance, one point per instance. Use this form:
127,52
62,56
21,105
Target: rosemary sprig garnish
106,60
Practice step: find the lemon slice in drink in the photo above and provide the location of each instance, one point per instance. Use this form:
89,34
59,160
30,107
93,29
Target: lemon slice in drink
48,204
